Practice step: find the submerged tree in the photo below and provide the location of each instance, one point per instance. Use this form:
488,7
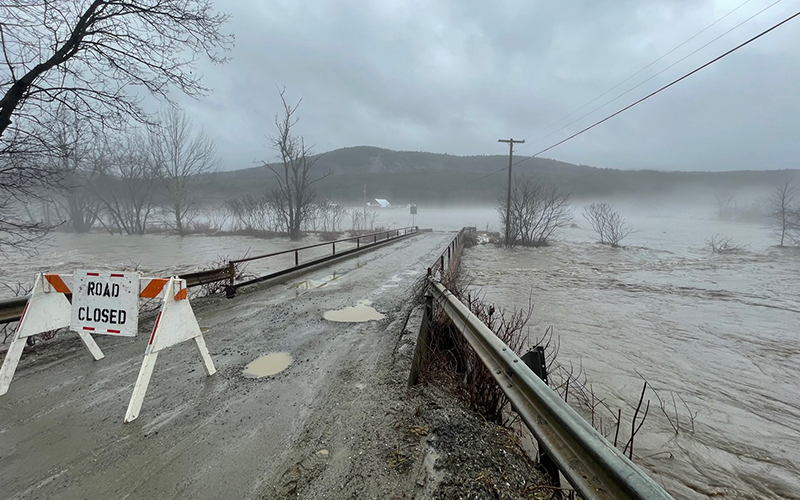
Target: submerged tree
125,184
784,212
73,195
607,223
537,211
181,160
295,195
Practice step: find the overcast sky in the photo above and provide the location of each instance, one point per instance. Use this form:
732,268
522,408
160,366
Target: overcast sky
455,76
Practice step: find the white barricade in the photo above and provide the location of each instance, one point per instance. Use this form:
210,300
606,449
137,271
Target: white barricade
107,303
175,324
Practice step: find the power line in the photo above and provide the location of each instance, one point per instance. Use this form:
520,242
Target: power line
643,69
650,78
648,96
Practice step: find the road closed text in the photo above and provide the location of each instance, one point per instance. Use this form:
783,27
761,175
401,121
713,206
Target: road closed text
98,315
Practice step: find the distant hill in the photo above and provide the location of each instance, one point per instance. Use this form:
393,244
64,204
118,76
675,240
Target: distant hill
415,177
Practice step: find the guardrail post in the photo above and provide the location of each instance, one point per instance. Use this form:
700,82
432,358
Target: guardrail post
375,238
535,360
296,258
358,242
334,248
423,342
230,289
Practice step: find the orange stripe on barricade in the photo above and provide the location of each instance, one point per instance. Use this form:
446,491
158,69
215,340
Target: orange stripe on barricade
181,295
57,283
153,288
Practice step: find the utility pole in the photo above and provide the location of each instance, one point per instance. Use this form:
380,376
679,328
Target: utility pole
511,143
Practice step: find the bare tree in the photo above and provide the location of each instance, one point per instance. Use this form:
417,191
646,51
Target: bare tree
16,230
537,211
182,160
607,223
254,215
85,55
126,185
786,215
725,206
295,195
68,51
74,142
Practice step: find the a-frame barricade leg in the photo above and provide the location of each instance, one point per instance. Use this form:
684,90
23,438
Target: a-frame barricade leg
208,363
10,363
140,389
47,309
90,344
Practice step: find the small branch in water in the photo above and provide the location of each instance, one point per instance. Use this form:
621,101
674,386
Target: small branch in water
634,428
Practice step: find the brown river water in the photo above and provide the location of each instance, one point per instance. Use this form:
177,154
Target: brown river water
722,332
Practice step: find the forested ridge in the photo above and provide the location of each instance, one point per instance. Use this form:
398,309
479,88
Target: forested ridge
418,177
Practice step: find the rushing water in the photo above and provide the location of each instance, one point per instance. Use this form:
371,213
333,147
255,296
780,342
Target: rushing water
720,331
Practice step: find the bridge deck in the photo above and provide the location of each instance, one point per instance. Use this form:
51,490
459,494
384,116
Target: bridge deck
226,436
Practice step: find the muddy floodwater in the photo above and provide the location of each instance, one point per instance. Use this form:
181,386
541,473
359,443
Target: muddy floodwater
721,332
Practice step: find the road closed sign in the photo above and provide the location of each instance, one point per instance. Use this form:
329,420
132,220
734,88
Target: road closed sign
105,302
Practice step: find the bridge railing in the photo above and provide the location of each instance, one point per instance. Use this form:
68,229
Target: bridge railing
361,242
447,262
11,309
592,465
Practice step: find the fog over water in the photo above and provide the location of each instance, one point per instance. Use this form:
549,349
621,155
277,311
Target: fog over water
718,330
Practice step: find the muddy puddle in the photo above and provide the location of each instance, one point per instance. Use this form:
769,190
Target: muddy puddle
267,365
359,313
318,283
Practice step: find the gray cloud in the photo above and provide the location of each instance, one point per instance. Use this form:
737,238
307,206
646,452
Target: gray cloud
455,76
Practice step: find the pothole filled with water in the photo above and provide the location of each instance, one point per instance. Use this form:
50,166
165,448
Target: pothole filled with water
358,313
267,365
312,284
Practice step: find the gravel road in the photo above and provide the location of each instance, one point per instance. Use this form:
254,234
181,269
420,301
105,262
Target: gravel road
225,436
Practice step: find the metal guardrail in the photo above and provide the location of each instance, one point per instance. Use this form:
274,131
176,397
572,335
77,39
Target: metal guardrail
593,466
447,262
11,309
